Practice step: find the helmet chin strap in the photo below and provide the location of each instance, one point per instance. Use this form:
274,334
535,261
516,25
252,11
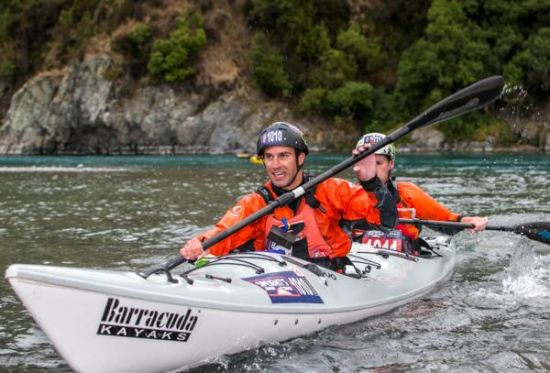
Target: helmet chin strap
298,168
291,181
390,170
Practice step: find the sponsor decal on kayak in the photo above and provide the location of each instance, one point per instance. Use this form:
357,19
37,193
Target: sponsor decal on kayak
286,287
392,240
123,320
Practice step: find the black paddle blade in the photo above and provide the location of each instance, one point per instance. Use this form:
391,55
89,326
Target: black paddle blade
538,231
468,99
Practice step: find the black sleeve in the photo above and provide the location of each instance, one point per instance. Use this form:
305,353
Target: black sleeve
387,205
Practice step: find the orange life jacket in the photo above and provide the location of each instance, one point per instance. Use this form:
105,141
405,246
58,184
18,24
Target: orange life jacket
340,200
412,197
412,202
308,238
408,230
322,237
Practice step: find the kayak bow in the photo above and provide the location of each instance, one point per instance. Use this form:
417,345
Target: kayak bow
109,321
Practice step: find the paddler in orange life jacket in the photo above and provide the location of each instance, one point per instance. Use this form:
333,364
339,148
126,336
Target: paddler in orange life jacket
308,227
412,201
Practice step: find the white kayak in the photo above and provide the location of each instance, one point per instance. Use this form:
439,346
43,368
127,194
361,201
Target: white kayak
109,321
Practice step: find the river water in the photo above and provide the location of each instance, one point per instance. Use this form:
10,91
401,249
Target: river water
129,213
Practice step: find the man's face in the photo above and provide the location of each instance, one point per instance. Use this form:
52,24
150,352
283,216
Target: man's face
383,167
280,165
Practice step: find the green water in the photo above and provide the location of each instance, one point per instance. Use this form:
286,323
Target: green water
133,212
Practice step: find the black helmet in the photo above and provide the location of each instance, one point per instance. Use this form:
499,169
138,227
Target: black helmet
281,134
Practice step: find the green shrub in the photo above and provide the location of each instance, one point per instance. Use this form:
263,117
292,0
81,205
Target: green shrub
384,116
365,51
352,100
450,56
139,36
268,68
313,99
336,68
531,65
464,128
75,26
312,43
25,33
170,58
8,71
135,46
498,129
301,30
290,23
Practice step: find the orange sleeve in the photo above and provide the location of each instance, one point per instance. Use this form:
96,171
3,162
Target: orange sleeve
350,201
426,206
243,208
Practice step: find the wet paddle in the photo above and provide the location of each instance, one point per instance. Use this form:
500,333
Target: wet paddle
538,231
466,100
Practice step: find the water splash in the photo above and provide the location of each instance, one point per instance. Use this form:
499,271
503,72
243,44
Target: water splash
530,285
528,276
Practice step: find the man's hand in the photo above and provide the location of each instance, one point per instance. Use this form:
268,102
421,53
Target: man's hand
479,222
365,169
192,249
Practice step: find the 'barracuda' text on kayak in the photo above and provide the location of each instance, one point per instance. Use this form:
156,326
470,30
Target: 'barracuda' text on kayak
127,321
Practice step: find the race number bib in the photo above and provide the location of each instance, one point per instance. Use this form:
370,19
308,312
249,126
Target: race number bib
274,247
393,240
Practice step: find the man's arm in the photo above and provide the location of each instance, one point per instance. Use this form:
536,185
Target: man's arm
244,207
480,222
429,208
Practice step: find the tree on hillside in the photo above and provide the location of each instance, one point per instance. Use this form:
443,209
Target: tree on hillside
451,55
170,58
469,40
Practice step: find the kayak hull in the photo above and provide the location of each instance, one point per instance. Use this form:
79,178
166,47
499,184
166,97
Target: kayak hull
108,321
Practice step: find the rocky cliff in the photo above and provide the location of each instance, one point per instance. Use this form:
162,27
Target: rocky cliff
82,109
79,111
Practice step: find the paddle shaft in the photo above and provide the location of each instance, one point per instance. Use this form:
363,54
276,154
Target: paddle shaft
284,199
464,101
538,231
450,224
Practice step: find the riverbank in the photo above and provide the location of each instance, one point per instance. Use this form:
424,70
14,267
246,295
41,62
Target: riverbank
79,111
193,76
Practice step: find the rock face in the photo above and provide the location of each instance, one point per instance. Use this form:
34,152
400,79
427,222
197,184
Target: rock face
50,112
533,134
429,139
79,111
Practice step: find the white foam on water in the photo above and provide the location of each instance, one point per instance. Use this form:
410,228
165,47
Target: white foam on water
526,281
532,284
129,238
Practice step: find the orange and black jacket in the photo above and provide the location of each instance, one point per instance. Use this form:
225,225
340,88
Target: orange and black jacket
338,199
411,196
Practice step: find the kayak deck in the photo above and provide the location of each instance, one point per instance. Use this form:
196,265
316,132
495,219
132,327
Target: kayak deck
166,322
